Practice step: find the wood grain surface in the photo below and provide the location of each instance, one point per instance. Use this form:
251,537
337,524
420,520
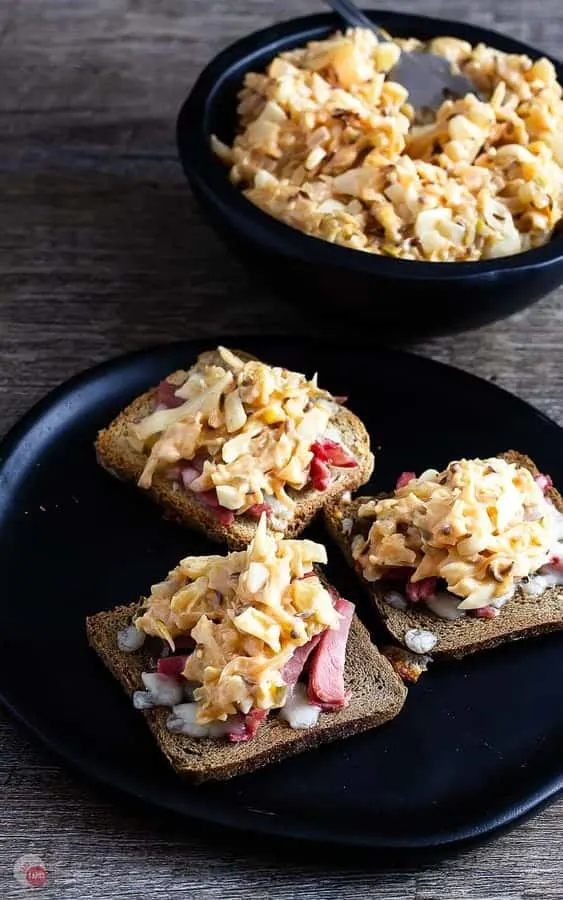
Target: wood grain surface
102,250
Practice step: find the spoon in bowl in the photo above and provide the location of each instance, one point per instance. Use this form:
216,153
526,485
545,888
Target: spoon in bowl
427,77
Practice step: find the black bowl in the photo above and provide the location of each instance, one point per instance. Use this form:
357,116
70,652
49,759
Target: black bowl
398,297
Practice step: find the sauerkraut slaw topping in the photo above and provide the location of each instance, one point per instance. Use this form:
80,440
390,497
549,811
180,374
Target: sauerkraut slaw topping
480,525
252,431
329,146
247,613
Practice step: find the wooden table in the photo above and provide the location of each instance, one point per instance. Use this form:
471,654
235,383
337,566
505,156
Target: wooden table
102,250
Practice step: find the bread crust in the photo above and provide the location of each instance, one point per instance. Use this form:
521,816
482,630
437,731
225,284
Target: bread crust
523,616
378,695
119,458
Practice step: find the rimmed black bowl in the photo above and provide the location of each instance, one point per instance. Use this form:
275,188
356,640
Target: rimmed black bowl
390,297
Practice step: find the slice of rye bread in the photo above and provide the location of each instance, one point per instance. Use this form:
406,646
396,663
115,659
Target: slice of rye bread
522,616
116,454
378,695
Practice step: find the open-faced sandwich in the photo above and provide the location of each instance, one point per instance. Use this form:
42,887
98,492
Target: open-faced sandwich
240,660
231,438
463,559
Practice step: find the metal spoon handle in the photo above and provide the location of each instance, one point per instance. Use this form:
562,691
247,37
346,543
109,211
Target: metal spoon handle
355,17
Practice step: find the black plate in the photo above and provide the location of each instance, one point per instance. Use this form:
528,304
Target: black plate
479,742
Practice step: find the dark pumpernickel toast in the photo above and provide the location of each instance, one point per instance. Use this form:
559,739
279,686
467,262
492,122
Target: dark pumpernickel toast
522,616
121,459
378,695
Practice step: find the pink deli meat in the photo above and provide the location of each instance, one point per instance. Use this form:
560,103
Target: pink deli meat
326,676
166,395
418,591
245,729
294,666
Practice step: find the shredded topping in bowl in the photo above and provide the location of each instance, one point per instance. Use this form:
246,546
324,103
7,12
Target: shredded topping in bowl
248,430
329,146
480,525
247,613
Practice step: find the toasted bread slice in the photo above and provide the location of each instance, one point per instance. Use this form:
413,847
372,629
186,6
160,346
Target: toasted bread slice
115,453
522,616
378,695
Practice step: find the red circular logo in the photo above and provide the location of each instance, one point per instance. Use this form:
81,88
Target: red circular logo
36,876
30,871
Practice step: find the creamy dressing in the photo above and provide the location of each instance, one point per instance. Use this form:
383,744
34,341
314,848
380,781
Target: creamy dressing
534,587
163,690
549,575
537,584
396,600
557,520
143,700
444,605
552,577
183,721
278,508
280,514
298,711
130,639
332,434
499,602
419,640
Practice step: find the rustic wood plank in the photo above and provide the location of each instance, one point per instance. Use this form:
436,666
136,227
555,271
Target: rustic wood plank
102,250
90,840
